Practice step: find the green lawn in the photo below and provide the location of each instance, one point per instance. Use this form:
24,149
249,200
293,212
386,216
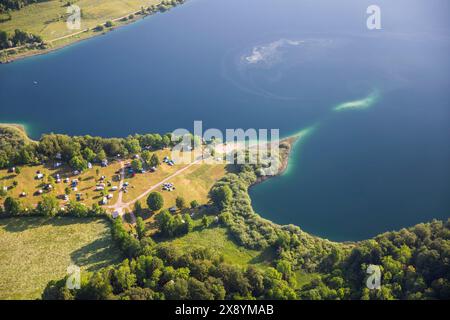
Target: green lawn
36,250
217,240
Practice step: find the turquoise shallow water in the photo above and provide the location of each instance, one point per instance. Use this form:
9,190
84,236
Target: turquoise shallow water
378,157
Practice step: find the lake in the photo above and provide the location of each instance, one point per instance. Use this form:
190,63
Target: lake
377,155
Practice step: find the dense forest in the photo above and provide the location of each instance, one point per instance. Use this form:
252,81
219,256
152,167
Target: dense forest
18,38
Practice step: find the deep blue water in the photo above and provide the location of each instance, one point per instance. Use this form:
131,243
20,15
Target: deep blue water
273,64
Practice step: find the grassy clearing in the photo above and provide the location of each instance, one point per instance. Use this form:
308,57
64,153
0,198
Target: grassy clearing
48,18
305,278
26,182
192,184
218,240
37,250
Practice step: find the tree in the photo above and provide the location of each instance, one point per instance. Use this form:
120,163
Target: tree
154,160
133,146
188,223
285,268
222,196
88,154
123,279
146,156
198,290
17,171
97,288
101,155
194,204
3,40
109,24
48,206
78,209
138,208
205,222
140,228
78,163
165,223
256,280
67,190
180,202
155,201
136,164
50,180
176,289
12,206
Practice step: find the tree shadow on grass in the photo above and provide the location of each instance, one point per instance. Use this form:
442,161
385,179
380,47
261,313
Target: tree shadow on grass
267,255
97,254
19,224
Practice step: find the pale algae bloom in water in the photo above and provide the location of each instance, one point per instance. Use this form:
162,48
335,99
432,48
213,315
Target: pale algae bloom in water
270,53
364,103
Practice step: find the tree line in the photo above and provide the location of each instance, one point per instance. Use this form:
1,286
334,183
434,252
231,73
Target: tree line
77,151
18,38
6,5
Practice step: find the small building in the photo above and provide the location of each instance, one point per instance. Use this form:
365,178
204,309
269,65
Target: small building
23,194
104,201
109,196
114,188
39,176
89,165
115,214
104,162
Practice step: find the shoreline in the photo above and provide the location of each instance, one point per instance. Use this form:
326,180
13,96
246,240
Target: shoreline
78,36
288,144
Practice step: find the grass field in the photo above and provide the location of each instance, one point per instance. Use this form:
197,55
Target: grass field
48,18
218,240
37,250
192,184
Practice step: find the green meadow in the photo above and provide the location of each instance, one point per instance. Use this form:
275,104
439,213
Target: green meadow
36,250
